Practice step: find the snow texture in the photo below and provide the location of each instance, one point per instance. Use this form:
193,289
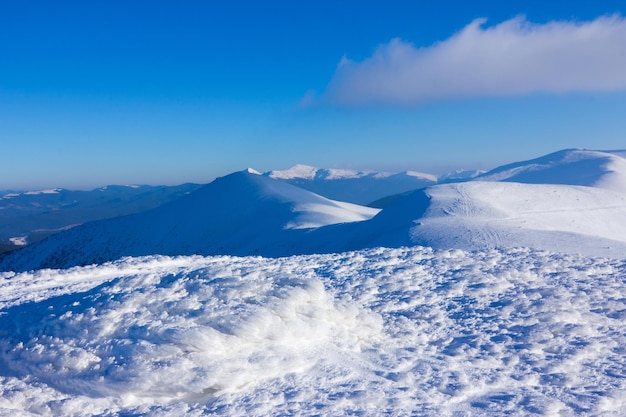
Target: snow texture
392,332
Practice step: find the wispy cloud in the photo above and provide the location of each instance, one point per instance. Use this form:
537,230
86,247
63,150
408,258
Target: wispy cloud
515,57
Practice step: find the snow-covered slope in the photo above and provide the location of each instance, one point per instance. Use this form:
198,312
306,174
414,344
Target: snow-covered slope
478,215
603,169
383,332
360,187
242,213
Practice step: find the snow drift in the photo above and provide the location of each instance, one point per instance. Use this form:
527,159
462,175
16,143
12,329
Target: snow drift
377,332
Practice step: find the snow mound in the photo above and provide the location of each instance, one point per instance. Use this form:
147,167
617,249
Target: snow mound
167,335
570,166
378,332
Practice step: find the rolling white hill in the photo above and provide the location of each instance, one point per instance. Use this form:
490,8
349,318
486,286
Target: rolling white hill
602,169
569,201
360,187
243,213
480,215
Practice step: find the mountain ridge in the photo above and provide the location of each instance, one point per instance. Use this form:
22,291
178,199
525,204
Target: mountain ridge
246,213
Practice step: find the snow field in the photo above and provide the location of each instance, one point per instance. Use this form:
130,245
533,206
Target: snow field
375,332
479,215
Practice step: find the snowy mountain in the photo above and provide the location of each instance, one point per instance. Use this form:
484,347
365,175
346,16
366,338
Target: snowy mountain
26,217
359,187
249,214
500,315
603,169
243,213
460,175
391,332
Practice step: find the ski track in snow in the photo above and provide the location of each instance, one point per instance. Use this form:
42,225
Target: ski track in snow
392,332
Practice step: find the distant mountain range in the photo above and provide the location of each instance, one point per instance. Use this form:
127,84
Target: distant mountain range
30,216
546,203
242,213
359,187
27,217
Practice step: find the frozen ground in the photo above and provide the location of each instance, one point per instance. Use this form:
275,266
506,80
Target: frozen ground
393,332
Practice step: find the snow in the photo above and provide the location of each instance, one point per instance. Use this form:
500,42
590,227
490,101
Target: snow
460,175
253,171
307,172
50,191
407,331
480,215
249,214
358,187
19,240
318,214
238,214
297,171
513,304
569,166
421,175
553,217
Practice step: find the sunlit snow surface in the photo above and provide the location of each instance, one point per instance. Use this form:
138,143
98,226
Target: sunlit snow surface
376,332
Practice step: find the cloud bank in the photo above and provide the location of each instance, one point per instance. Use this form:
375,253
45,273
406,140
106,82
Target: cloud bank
515,57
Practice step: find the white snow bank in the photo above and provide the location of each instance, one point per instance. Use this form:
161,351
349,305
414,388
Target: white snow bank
324,213
377,332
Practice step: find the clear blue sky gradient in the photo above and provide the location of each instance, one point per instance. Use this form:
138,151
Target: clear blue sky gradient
156,92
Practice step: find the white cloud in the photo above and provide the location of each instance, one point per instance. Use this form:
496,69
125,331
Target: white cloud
512,58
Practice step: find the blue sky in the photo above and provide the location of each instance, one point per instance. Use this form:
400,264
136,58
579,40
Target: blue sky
102,92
